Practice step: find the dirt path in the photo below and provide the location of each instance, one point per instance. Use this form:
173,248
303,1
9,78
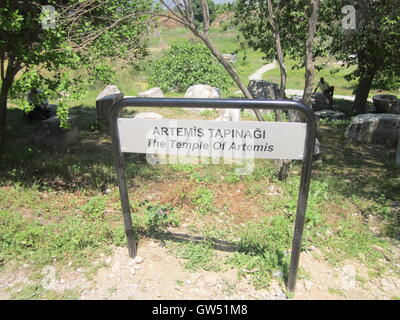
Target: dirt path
160,275
259,72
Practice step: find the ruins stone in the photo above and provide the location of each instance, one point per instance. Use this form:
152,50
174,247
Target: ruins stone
319,102
152,93
105,100
382,128
148,115
202,91
228,115
48,133
330,115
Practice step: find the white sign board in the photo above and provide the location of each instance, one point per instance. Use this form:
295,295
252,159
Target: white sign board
205,138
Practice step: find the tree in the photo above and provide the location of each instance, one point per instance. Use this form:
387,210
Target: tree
186,63
38,46
182,12
278,28
373,46
198,12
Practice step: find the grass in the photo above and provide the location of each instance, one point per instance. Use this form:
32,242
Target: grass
36,292
56,210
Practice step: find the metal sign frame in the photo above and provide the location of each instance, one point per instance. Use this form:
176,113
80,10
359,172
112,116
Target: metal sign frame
285,105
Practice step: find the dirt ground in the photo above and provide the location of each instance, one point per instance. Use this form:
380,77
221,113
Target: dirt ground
157,274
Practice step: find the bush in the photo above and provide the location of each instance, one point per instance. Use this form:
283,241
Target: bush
187,63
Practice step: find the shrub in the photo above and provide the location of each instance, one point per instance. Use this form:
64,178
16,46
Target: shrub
187,63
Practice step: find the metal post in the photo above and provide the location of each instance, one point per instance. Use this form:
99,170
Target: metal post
123,189
223,104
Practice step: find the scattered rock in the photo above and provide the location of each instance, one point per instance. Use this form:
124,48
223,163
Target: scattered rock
138,259
195,276
277,274
371,128
148,115
131,262
281,296
387,284
107,261
152,93
348,277
308,284
228,115
211,280
202,91
263,90
49,133
330,115
319,102
231,58
115,267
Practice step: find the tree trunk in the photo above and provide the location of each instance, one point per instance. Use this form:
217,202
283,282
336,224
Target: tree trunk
310,70
3,118
228,67
361,98
309,61
279,50
7,79
280,56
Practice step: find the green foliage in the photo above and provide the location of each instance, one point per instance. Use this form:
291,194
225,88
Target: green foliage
57,60
198,13
372,46
94,209
199,256
252,19
187,63
37,292
155,217
22,238
203,199
264,247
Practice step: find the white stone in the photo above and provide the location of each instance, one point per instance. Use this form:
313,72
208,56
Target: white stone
131,262
387,284
138,259
228,115
152,93
107,261
148,115
202,91
211,280
108,90
308,284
